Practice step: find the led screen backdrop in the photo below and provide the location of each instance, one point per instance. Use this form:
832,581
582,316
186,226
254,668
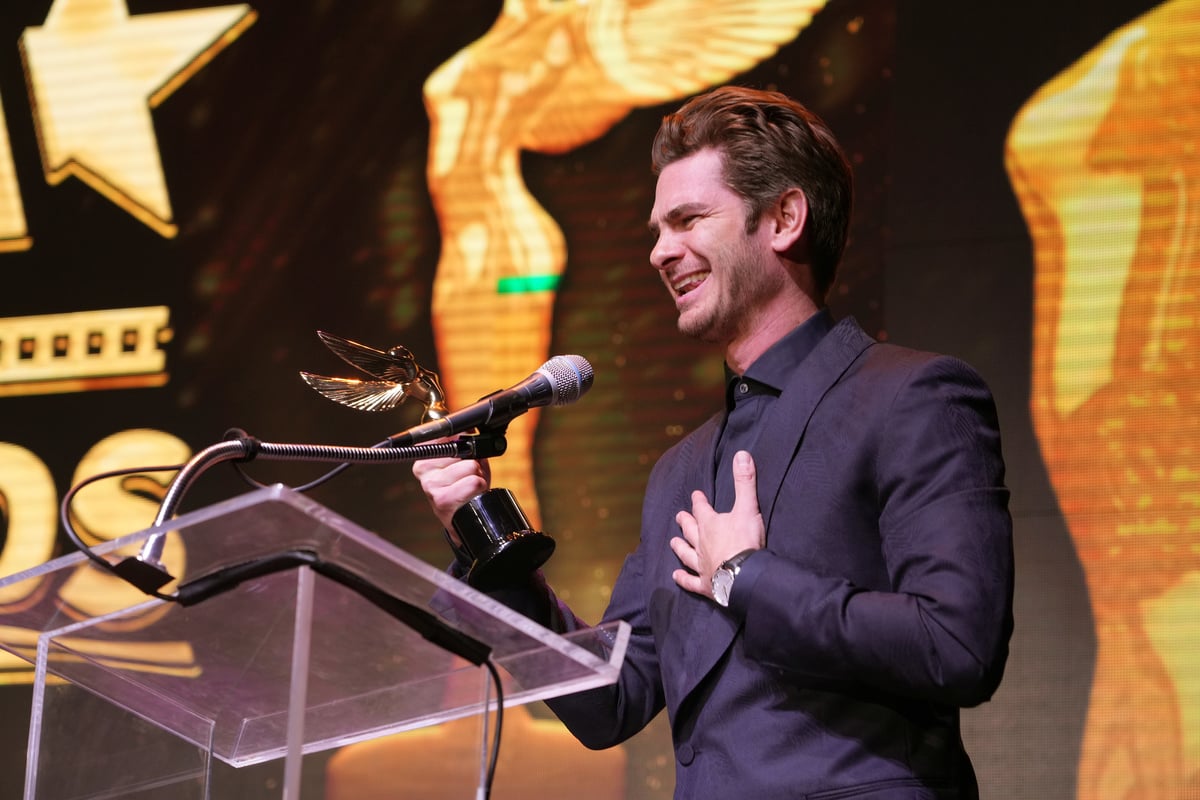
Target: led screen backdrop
189,192
1102,159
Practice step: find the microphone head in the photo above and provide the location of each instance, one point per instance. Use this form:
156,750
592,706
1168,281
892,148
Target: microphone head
569,376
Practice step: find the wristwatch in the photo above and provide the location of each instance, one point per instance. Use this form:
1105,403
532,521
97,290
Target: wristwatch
722,579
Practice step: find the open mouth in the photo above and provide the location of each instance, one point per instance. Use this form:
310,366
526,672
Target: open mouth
688,283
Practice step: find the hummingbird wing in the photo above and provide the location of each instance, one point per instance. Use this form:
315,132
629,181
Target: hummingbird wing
659,50
633,53
375,363
363,395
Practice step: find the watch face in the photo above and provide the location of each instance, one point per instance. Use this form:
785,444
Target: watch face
722,582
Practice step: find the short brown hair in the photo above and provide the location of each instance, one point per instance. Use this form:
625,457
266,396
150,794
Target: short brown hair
769,143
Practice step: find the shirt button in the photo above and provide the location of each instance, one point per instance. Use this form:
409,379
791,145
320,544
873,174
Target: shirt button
686,754
743,387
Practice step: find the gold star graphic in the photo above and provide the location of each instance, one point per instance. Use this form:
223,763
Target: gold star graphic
12,212
94,74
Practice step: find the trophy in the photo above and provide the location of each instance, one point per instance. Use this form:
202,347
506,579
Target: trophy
497,538
396,373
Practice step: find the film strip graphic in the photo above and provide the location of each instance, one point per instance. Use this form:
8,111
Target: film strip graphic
84,351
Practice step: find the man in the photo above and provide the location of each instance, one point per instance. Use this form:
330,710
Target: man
824,576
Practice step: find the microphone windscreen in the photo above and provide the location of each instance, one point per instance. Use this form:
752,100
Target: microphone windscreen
571,376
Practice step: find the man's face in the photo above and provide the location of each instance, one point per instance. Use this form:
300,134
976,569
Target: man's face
718,275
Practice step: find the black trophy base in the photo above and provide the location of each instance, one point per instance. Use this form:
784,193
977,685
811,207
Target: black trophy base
503,546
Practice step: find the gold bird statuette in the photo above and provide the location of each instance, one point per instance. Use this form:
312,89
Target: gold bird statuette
396,373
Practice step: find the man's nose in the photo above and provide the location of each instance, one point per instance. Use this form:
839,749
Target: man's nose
666,251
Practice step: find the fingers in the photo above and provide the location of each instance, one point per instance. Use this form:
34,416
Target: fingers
685,547
702,510
692,583
441,471
688,526
686,554
448,483
709,537
686,550
745,484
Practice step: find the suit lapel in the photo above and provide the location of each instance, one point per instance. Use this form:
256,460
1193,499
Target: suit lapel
700,631
789,418
691,616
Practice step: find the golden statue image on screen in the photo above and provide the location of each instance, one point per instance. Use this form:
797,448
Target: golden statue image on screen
1104,164
549,77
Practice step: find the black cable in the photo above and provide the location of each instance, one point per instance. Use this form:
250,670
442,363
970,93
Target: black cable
494,757
77,540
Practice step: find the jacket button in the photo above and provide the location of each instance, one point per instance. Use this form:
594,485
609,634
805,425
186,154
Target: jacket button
686,754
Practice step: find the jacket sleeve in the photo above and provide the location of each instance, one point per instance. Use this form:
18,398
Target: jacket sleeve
940,631
609,715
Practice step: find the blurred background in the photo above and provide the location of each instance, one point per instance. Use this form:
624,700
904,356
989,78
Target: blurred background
188,193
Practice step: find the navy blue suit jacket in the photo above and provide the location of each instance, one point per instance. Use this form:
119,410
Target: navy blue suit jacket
880,606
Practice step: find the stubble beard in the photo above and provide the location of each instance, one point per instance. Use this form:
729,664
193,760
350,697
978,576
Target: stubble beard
728,313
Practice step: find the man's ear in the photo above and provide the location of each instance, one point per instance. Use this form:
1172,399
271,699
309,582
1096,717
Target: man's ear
790,218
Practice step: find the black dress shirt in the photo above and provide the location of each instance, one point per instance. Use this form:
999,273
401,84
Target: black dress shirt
748,397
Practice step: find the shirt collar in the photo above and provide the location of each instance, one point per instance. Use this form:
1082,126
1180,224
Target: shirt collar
770,371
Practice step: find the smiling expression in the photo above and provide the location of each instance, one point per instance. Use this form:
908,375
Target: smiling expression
724,280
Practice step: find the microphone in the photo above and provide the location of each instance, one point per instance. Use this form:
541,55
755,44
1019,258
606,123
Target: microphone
560,381
497,539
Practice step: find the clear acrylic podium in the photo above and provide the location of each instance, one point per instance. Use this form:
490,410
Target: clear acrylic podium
143,701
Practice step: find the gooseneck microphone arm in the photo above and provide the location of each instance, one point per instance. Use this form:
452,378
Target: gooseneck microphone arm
247,448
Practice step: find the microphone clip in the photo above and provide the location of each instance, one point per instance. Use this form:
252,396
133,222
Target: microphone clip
489,441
